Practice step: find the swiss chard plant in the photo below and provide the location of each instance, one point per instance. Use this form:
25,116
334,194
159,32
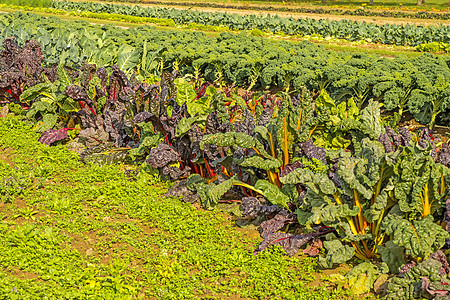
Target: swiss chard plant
377,195
330,165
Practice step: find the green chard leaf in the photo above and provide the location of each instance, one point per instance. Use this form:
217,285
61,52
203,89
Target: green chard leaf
272,193
420,238
336,253
392,255
370,120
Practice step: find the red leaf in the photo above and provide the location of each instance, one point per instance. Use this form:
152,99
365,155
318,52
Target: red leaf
50,136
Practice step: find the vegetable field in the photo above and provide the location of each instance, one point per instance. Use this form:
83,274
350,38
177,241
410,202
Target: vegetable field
140,163
358,9
418,85
350,30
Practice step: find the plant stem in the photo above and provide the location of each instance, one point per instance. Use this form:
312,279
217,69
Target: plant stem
378,188
300,121
426,202
362,221
286,146
311,132
249,187
272,147
349,220
369,254
358,253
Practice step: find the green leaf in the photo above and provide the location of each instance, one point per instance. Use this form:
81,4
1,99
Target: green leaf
95,81
370,120
419,238
63,76
103,154
419,179
31,93
392,255
324,100
185,92
49,121
146,144
362,277
209,194
238,139
199,185
272,193
186,124
306,176
261,163
201,106
217,191
352,172
336,253
127,58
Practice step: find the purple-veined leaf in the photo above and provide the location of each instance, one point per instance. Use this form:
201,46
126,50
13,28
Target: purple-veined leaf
50,136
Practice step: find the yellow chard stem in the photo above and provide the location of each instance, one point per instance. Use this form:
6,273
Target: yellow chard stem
358,253
361,219
376,229
272,177
257,152
349,220
249,187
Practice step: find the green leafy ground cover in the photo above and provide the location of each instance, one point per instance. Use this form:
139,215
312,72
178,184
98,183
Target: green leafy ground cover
72,231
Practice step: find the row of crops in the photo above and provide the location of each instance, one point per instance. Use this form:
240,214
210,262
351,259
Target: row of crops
419,85
305,166
303,10
411,35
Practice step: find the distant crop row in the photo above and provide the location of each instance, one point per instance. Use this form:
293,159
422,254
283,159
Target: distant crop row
411,35
302,10
31,3
418,85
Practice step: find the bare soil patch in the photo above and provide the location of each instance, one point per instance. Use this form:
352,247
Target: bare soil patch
6,156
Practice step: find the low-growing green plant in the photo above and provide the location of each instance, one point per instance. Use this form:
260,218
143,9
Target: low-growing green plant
124,240
31,3
434,47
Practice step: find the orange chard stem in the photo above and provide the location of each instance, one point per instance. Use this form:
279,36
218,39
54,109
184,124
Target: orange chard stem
368,253
286,146
311,132
299,121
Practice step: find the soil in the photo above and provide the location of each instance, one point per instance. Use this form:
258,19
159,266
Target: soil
15,271
6,156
